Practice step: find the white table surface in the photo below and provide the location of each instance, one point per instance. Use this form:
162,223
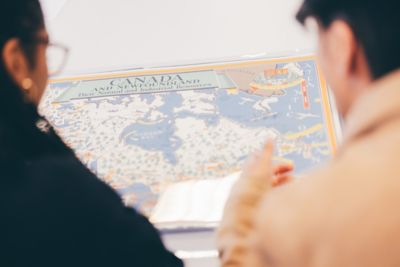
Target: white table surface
118,34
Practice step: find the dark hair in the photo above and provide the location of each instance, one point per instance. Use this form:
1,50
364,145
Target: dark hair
19,136
21,19
374,24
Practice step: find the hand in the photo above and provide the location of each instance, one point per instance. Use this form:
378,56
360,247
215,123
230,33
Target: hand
259,166
282,174
258,177
261,170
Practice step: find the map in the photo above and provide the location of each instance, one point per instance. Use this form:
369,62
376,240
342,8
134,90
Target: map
143,131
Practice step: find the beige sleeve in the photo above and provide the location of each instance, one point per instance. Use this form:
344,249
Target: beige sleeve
268,227
291,220
235,237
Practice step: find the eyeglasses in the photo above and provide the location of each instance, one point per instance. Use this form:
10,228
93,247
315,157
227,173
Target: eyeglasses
56,55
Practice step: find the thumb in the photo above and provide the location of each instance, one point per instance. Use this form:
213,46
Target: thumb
267,152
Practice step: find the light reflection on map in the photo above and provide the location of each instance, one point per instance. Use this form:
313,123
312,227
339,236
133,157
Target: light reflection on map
139,144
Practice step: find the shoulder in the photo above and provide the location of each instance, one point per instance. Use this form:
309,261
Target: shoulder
58,169
61,198
66,180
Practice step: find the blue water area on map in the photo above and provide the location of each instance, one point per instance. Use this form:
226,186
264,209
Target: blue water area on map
171,101
62,85
142,192
158,136
208,119
148,97
93,165
115,100
67,106
154,137
239,108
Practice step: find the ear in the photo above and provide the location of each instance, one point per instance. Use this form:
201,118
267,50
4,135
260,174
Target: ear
342,46
352,64
15,61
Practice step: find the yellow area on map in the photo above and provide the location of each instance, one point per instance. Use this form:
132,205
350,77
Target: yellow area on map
304,133
233,91
290,148
314,145
276,86
283,160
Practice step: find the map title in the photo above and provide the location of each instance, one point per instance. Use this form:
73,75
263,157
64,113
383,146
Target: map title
141,85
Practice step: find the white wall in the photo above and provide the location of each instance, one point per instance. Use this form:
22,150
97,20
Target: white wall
114,34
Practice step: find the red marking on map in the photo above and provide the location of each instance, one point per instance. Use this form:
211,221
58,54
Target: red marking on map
305,94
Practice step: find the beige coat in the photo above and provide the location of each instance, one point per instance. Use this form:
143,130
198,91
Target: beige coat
346,214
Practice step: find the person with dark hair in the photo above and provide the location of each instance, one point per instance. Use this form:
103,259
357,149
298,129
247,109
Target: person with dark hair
345,213
53,210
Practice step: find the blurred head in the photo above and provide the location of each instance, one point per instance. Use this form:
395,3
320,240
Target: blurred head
358,43
23,43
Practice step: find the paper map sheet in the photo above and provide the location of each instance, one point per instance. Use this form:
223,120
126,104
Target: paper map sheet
186,130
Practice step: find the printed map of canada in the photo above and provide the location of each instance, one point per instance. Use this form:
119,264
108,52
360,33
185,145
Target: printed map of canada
141,143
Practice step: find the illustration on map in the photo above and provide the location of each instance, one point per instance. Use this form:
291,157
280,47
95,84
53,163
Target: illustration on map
140,132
